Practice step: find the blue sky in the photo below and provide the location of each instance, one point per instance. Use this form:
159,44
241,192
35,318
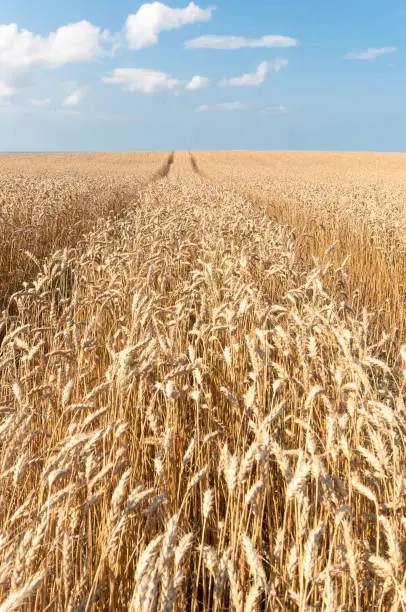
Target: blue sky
264,74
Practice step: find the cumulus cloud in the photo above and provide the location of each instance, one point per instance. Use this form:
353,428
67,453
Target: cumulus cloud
21,51
225,106
198,82
143,28
238,42
76,42
139,79
249,80
74,98
257,78
370,54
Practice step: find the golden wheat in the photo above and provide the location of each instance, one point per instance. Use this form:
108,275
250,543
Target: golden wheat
190,416
345,209
50,201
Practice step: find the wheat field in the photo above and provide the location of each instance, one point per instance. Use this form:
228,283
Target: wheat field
203,368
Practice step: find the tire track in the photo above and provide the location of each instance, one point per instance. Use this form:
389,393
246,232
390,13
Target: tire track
164,170
195,166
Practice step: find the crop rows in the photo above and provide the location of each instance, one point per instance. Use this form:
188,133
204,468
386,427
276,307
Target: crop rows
50,201
191,420
350,205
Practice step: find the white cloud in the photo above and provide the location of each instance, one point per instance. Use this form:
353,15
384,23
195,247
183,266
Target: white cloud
75,42
274,110
236,106
198,82
225,106
370,54
21,51
257,78
40,102
249,80
238,42
143,28
74,99
139,79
